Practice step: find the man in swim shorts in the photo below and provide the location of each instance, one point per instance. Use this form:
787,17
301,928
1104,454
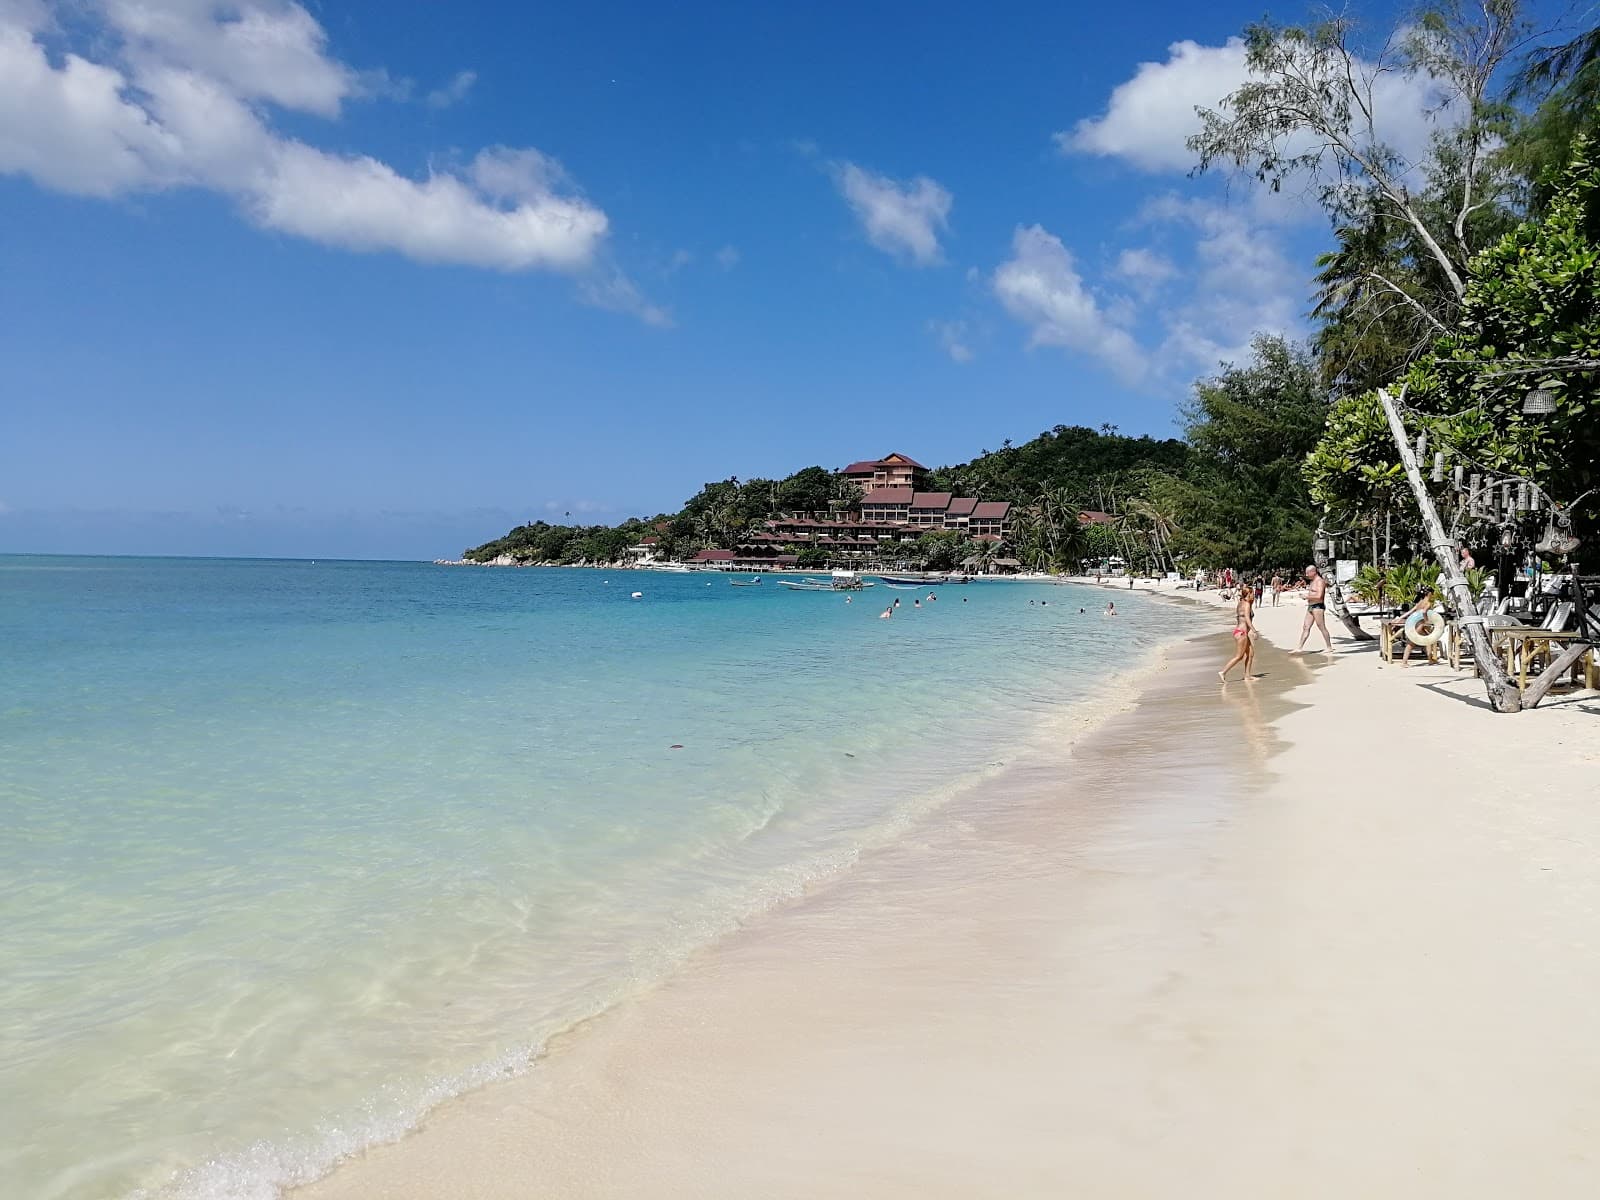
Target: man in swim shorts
1316,610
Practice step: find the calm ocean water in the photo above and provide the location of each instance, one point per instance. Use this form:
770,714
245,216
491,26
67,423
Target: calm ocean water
294,851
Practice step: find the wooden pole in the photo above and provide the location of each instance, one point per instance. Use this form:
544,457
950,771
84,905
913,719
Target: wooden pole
1503,695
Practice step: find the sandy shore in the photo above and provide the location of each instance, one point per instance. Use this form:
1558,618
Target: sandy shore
1333,932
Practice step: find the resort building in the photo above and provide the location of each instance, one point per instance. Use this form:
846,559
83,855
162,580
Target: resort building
928,509
890,505
959,512
890,471
892,515
991,518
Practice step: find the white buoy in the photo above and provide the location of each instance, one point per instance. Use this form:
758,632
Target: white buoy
638,595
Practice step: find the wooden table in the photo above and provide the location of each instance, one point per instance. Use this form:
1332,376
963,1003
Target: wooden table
1530,644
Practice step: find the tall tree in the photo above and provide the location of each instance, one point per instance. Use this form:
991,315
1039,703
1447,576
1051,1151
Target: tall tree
1313,110
1244,503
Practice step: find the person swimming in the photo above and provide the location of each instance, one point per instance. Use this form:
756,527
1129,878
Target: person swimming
1111,609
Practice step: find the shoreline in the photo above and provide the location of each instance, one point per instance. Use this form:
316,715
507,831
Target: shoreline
1224,921
1064,735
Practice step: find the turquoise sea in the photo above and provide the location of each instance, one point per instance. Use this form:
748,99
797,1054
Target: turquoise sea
294,851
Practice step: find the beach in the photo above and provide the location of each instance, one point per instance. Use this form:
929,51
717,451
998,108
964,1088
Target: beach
1327,933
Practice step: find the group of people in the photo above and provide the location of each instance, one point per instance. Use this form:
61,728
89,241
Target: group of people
889,612
1244,607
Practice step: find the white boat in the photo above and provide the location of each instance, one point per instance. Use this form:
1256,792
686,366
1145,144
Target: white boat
842,581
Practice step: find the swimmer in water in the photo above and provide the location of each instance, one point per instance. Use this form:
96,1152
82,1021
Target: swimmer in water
1111,609
886,613
916,604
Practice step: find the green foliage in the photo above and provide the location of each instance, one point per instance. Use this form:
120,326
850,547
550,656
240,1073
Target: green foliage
1354,468
1532,298
540,542
1074,458
811,557
1243,501
940,549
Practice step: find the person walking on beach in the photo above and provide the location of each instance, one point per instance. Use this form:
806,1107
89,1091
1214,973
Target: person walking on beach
1277,587
1244,632
1316,610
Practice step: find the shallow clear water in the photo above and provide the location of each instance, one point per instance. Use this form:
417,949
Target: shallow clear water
293,851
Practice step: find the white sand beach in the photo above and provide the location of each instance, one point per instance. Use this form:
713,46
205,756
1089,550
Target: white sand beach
1329,933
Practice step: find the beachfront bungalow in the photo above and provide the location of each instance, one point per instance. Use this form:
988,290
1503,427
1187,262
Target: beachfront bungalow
892,470
889,505
713,558
990,518
644,550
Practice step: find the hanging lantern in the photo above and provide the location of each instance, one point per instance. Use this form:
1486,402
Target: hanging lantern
1458,475
1540,402
1438,466
1522,496
1505,498
1535,498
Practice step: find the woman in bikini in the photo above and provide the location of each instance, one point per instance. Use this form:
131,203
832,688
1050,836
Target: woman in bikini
1244,629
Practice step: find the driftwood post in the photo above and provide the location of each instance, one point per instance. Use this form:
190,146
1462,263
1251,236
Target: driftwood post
1502,691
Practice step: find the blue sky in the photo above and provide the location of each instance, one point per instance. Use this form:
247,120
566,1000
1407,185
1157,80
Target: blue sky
380,279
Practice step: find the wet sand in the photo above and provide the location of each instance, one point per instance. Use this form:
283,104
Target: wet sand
1240,941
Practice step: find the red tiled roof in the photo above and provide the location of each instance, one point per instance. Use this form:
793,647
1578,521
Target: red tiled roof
648,541
713,556
888,495
860,468
962,506
1091,517
992,510
903,460
935,500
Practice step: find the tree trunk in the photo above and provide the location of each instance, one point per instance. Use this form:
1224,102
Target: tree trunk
1335,594
1502,691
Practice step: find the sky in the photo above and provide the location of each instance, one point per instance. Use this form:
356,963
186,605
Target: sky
381,279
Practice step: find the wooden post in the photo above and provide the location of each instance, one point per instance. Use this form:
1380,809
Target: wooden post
1503,694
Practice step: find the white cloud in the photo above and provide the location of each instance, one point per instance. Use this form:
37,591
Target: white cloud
728,257
271,50
1145,268
1240,282
452,93
954,338
177,96
1041,287
1148,118
902,219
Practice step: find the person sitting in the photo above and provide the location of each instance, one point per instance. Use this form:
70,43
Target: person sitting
1424,603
